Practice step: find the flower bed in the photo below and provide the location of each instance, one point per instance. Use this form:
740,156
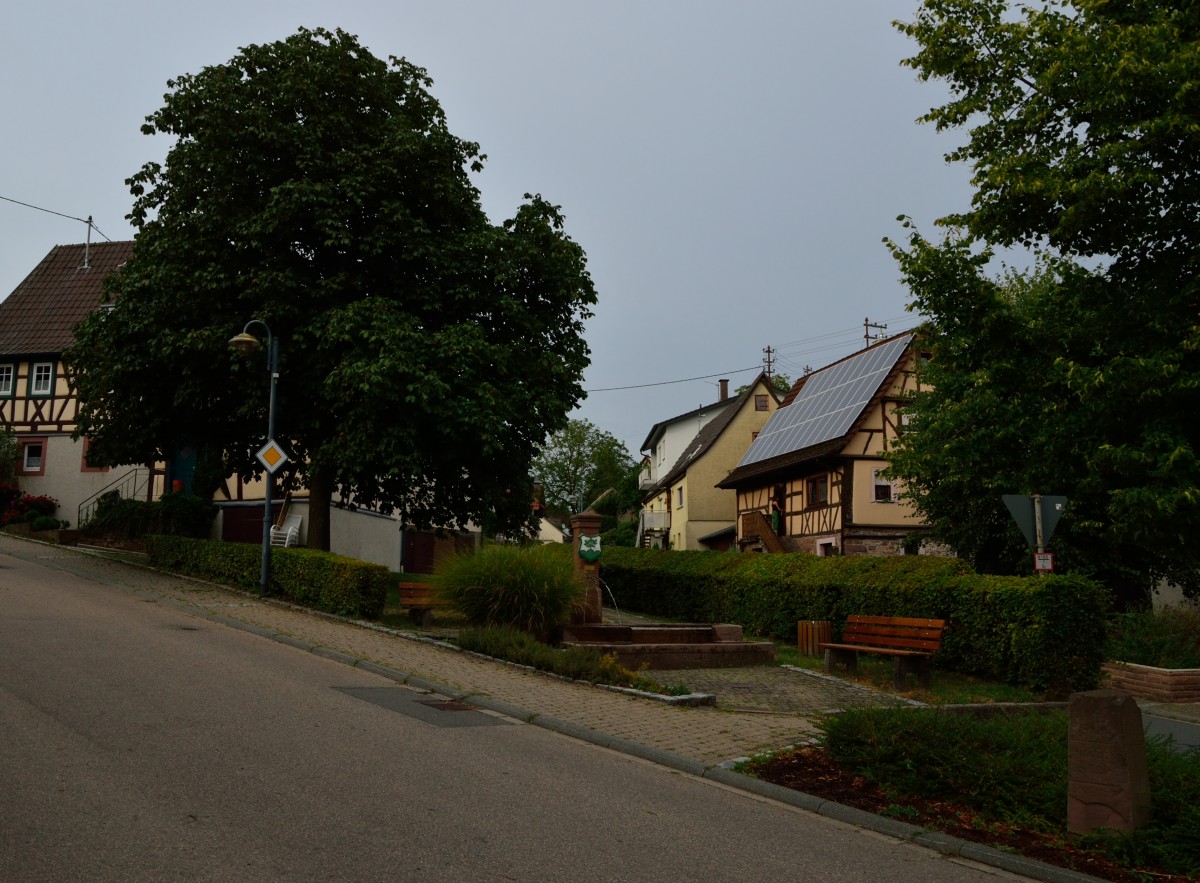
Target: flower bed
1155,684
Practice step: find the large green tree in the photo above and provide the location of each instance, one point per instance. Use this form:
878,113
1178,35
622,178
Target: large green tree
426,352
1082,376
581,462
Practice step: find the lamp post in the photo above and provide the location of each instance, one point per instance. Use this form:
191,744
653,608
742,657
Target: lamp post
246,343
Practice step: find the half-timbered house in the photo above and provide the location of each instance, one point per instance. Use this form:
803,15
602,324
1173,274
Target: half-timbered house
813,480
37,401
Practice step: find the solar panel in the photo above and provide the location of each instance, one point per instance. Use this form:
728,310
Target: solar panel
828,404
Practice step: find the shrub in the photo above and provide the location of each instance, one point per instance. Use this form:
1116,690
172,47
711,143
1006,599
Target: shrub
1047,633
172,514
1013,768
184,516
23,508
9,494
1167,638
42,522
532,589
321,580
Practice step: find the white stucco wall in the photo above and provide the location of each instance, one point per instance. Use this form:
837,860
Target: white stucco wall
64,478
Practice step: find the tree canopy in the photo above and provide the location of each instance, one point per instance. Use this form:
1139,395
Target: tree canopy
578,464
426,353
1081,376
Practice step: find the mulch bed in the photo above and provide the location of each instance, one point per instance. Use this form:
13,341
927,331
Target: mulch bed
810,769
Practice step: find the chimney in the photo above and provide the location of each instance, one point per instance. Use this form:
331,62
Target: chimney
724,389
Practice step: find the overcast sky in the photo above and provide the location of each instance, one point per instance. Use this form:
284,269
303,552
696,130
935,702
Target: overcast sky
729,168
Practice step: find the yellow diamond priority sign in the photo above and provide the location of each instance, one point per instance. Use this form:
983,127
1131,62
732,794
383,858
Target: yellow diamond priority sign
271,456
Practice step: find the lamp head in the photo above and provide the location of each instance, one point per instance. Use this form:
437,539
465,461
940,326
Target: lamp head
245,343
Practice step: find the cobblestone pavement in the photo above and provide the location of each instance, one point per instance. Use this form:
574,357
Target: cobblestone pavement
774,689
757,709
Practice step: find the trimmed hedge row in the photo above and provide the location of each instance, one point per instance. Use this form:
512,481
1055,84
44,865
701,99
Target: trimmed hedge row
320,580
1048,633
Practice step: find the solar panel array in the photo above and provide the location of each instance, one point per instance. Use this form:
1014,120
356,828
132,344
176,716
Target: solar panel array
828,404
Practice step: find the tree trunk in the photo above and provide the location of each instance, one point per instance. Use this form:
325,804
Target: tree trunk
320,494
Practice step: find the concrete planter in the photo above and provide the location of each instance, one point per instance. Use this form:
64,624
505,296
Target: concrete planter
1155,684
20,529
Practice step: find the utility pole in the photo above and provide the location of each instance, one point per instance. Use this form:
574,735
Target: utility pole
867,326
769,354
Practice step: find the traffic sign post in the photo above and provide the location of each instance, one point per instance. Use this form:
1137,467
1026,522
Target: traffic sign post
1037,515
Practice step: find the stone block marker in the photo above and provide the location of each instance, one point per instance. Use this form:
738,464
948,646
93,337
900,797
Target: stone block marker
1108,780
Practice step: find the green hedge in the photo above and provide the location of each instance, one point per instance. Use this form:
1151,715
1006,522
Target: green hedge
1048,633
321,580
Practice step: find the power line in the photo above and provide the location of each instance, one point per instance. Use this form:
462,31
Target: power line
684,380
87,220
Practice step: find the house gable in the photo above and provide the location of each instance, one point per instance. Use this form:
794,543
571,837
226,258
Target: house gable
688,493
821,465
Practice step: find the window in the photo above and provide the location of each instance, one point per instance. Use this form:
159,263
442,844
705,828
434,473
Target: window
41,379
6,380
760,403
817,491
884,489
33,456
679,497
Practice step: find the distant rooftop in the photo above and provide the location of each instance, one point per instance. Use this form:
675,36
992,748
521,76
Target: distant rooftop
39,315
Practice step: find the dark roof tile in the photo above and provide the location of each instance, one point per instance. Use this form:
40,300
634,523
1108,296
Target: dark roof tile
38,317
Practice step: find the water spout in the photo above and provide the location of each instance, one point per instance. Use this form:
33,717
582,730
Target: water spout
614,600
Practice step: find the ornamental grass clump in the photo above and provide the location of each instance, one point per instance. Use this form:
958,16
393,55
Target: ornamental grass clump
531,589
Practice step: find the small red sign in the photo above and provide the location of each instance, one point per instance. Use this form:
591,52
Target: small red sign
1043,562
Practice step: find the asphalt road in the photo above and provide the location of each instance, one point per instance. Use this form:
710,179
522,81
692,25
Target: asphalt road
140,743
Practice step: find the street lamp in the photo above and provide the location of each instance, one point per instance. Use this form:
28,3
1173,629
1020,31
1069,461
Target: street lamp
246,344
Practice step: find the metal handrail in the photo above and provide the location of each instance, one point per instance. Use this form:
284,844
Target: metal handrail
130,486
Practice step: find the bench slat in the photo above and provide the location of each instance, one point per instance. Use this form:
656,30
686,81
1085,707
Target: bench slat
421,599
910,640
884,651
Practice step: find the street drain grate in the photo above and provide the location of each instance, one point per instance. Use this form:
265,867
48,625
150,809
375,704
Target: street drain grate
446,704
416,705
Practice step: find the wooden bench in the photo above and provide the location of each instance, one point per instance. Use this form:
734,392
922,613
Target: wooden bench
420,599
911,641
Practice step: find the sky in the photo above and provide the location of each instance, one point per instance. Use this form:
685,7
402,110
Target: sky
730,169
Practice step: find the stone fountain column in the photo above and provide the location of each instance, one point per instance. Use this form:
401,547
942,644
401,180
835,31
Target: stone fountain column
587,524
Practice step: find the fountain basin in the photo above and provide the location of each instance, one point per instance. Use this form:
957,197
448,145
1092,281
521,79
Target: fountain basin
668,645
